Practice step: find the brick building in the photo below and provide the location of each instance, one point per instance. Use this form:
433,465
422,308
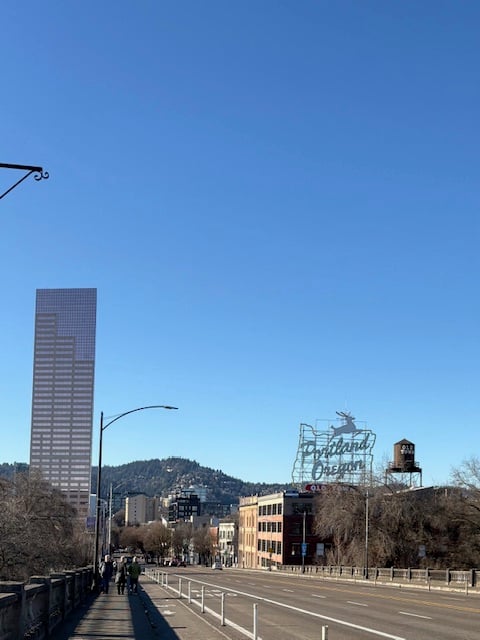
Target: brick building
277,529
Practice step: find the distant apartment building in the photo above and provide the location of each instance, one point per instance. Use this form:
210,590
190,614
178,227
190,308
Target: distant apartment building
228,541
247,532
200,490
183,506
207,507
62,395
216,509
277,529
141,509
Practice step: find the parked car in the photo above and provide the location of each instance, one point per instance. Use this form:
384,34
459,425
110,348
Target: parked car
216,564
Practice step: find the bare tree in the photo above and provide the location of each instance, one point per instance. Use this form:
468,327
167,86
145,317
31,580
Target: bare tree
132,538
467,475
424,527
182,534
203,544
340,519
39,530
467,478
157,540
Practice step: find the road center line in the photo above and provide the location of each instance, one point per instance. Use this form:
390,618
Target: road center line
414,615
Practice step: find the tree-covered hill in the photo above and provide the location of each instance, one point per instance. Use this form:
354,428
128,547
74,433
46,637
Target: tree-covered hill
162,477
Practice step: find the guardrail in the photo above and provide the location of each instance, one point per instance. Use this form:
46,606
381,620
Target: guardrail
469,578
31,611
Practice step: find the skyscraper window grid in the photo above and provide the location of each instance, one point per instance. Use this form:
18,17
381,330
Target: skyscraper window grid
63,387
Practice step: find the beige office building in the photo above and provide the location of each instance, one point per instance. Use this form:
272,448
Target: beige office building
141,509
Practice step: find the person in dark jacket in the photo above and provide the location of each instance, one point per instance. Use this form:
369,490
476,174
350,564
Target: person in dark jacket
106,572
134,571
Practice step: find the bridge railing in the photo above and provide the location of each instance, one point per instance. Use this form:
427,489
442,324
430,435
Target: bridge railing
447,577
31,611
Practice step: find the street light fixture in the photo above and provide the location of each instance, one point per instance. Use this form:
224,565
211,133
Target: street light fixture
99,478
39,172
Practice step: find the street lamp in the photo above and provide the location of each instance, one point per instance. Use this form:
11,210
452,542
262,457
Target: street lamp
39,172
304,545
99,478
110,502
366,533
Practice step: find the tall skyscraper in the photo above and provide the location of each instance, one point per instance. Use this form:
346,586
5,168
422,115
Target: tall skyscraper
63,384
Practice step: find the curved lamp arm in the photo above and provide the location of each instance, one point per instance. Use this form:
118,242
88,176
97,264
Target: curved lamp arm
99,478
125,413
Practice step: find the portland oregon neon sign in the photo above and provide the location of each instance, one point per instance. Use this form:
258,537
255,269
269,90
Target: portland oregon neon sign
337,453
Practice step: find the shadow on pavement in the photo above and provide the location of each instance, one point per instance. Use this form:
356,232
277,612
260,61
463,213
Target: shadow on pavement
157,622
67,628
115,617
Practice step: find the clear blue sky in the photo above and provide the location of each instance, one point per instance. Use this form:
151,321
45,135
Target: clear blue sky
278,203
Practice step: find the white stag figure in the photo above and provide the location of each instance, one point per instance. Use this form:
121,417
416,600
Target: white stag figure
348,427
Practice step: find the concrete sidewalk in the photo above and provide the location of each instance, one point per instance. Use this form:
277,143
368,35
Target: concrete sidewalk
152,614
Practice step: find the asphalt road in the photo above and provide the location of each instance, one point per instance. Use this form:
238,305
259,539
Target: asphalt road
283,607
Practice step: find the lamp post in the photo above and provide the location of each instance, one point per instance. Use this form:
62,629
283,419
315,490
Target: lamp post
366,534
110,498
110,508
304,549
99,478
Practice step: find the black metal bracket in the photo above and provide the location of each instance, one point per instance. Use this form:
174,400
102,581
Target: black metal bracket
40,174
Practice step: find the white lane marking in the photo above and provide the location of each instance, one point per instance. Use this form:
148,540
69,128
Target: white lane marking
414,615
357,604
344,623
314,595
289,590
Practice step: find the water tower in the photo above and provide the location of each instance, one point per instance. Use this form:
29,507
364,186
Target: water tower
404,463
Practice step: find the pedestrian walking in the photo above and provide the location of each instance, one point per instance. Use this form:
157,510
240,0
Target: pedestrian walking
134,571
106,572
121,575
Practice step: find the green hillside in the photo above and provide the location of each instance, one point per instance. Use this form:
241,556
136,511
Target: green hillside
162,477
